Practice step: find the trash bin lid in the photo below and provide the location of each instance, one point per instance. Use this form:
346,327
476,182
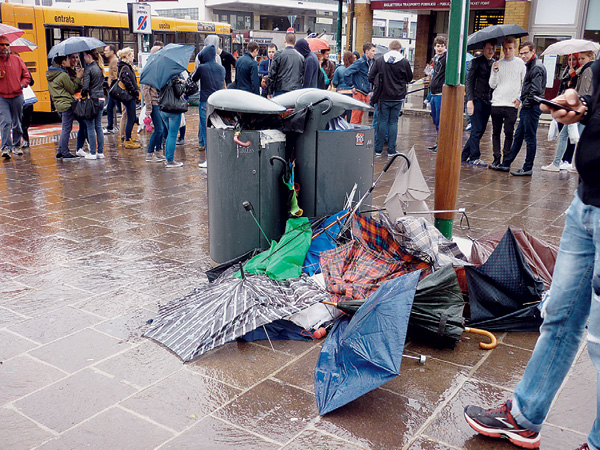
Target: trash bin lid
310,95
243,102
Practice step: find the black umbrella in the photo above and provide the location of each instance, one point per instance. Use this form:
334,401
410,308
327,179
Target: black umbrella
475,40
220,312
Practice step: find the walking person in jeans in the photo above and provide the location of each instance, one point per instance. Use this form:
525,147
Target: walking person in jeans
127,76
506,79
150,95
574,299
438,79
93,87
110,54
357,76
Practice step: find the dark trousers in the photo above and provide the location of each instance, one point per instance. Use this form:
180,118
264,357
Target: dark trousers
502,116
131,118
526,130
110,112
479,120
26,121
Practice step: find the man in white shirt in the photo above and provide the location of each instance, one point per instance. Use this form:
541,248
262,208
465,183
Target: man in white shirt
506,80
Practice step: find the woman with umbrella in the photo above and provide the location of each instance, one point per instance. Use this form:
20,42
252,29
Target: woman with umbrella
127,76
61,89
93,86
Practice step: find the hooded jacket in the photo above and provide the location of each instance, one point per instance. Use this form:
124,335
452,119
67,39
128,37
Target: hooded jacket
61,87
127,76
534,82
311,64
287,71
357,75
213,40
395,73
210,73
246,74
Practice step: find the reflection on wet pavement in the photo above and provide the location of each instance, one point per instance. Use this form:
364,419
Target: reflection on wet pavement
89,248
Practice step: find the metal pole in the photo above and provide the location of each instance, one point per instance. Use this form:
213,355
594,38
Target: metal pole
339,31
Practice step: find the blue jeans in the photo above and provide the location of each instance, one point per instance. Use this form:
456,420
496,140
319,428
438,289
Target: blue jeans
571,302
202,124
65,132
11,110
131,116
527,129
479,121
94,131
387,125
172,122
159,129
563,142
436,109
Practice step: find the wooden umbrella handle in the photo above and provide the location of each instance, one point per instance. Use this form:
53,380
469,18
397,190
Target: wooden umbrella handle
485,346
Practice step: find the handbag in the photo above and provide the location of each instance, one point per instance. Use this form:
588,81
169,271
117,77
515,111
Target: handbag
191,87
119,92
86,108
171,99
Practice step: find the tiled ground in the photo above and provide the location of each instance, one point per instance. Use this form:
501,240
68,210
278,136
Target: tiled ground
89,248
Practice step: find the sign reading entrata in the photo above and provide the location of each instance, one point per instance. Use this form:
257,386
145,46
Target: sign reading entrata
432,4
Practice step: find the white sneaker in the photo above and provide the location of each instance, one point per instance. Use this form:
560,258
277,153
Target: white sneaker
81,152
551,168
91,156
565,165
203,165
173,164
100,155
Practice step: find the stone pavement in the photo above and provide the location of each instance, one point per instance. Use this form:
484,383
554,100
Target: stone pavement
89,248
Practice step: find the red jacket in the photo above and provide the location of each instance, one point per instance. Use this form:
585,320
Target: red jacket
16,76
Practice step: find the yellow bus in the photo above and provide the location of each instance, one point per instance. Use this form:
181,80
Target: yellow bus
48,26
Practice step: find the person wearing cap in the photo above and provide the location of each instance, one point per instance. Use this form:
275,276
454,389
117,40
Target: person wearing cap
14,76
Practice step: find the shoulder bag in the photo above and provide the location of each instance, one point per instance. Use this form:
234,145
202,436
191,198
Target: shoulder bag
171,99
119,92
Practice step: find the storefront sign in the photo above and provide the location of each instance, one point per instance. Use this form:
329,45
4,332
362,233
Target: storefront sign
432,4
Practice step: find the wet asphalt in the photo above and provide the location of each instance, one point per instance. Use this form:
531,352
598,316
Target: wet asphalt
89,248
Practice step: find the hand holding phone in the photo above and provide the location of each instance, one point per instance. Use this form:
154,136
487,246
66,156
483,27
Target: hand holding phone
554,105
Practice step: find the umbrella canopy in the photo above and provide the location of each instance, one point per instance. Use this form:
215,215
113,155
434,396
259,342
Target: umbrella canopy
163,65
540,255
11,33
317,44
322,242
363,353
569,46
227,309
504,292
475,40
21,45
75,44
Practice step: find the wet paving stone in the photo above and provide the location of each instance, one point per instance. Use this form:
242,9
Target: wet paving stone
316,439
22,375
573,409
129,327
504,366
13,345
18,432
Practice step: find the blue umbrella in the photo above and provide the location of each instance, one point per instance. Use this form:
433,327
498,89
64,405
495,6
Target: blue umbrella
75,44
163,65
363,353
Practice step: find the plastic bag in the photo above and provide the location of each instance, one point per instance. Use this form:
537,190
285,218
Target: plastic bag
553,130
573,133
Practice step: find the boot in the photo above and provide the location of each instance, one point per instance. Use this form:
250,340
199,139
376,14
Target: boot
134,134
132,144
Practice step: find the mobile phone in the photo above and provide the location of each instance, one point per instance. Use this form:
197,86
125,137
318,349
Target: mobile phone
554,105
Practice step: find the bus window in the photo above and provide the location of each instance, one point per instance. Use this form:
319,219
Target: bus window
95,33
169,38
130,40
110,36
226,43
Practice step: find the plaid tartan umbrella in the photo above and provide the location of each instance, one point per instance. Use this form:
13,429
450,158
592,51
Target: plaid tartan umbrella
220,312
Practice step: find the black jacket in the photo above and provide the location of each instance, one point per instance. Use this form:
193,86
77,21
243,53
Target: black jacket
534,83
228,61
439,74
93,81
127,76
395,73
587,157
246,74
311,64
477,84
287,71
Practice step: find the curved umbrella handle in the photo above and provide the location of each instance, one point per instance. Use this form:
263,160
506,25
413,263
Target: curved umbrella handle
486,346
278,158
391,161
236,139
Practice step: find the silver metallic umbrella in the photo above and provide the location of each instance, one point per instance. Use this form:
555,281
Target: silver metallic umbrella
220,312
569,46
75,44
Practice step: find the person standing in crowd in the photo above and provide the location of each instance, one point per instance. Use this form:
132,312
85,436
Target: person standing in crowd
14,76
506,80
287,69
72,68
264,67
127,75
212,78
583,86
150,96
110,54
172,122
93,87
327,65
479,105
228,62
357,76
438,78
311,64
61,89
534,84
339,80
572,305
246,70
395,73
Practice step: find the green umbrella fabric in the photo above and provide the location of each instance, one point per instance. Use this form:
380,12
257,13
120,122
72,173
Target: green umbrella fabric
285,258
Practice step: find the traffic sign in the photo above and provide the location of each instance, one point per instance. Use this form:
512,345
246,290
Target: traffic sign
140,19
